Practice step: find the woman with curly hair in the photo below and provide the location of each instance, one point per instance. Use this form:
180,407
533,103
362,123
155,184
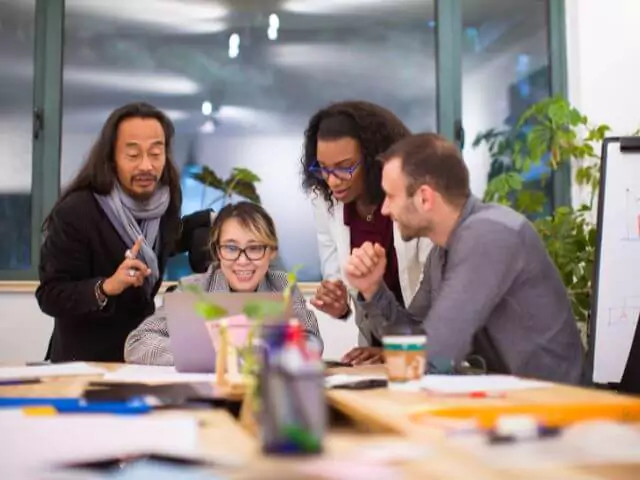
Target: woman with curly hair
341,172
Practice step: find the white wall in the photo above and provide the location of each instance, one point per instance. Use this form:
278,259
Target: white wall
25,331
603,52
603,48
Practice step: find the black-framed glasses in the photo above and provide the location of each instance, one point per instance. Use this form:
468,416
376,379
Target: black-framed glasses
341,173
233,252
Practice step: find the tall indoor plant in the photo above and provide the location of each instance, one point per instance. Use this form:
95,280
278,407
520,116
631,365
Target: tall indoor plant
553,133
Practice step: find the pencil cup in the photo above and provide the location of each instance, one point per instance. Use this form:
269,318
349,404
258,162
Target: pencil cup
405,358
293,410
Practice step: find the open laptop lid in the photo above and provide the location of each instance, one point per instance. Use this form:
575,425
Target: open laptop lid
190,342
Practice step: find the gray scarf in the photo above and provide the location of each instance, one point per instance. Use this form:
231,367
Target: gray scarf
124,213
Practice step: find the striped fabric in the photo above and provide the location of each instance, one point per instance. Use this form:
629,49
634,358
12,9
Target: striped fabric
149,343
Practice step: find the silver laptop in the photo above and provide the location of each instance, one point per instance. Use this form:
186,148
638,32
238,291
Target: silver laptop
189,340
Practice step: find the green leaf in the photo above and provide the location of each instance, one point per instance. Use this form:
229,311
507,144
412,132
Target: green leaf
244,175
208,177
210,311
261,309
246,190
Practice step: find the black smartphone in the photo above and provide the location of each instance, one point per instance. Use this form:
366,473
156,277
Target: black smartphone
363,384
336,364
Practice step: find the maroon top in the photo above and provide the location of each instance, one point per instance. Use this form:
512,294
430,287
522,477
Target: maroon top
378,230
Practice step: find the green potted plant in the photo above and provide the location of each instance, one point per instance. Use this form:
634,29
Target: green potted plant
555,132
241,182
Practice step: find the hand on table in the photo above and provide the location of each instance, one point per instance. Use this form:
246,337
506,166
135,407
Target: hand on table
364,356
332,298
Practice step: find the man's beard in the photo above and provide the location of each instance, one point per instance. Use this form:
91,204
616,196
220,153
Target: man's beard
408,233
146,195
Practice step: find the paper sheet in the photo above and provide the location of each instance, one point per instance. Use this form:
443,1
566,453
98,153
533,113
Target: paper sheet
37,442
156,374
53,370
464,384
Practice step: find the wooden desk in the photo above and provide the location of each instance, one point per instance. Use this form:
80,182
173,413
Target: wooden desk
378,410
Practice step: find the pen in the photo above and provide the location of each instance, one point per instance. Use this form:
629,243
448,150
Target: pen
135,405
19,381
486,395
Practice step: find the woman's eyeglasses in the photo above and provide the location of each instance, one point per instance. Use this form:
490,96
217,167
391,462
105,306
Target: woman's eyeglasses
233,252
341,173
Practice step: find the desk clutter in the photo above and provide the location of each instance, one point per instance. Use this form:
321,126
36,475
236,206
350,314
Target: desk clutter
145,422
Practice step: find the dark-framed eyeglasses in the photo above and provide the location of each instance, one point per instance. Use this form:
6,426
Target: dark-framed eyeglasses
341,173
232,252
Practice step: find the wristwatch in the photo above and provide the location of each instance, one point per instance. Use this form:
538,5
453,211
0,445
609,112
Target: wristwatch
100,294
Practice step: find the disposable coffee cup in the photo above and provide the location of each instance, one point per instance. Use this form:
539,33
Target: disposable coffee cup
405,358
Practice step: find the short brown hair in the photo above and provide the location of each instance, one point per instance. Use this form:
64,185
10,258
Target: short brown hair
252,217
430,159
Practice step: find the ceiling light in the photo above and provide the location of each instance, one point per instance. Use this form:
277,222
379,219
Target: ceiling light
234,40
196,16
207,108
127,81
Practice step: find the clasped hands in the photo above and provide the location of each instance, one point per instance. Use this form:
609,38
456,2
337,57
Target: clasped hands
364,271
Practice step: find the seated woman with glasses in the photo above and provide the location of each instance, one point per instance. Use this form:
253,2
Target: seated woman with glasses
341,172
243,241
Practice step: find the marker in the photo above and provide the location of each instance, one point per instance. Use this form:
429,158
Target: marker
515,428
19,381
541,432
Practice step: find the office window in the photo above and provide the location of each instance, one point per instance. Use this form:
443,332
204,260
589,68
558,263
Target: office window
505,61
240,80
16,103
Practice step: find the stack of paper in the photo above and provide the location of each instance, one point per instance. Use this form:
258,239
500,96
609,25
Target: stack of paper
37,443
466,384
155,375
53,370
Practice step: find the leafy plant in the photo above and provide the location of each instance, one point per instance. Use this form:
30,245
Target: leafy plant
554,132
241,182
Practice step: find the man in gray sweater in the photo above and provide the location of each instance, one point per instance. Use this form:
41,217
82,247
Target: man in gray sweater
489,287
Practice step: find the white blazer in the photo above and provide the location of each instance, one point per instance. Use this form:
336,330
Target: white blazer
334,245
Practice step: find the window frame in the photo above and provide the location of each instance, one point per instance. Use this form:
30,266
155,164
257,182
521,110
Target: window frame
47,101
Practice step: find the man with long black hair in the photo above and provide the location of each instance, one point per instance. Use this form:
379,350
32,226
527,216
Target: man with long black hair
109,235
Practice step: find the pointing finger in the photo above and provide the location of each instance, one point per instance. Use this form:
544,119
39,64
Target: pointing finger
136,247
138,265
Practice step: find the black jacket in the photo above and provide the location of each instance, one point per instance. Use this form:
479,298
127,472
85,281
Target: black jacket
80,248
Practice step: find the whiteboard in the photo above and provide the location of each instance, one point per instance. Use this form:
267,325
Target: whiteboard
616,290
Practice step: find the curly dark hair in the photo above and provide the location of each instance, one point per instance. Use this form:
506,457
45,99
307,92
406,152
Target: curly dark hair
375,128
